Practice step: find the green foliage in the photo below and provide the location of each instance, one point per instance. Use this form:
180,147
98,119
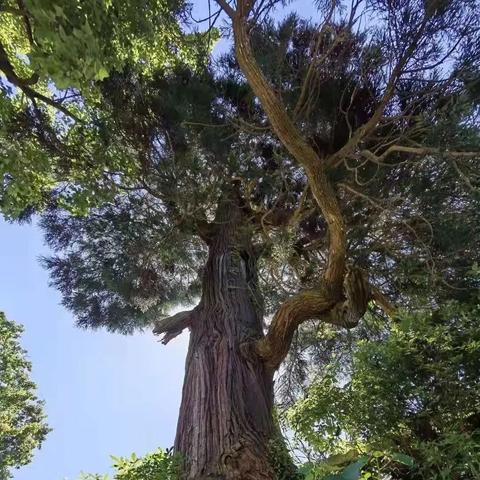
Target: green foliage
56,54
128,265
280,457
376,465
413,394
72,43
158,465
83,41
22,419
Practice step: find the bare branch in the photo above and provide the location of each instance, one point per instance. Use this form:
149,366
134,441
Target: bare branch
174,325
225,6
382,301
315,61
371,124
420,151
377,205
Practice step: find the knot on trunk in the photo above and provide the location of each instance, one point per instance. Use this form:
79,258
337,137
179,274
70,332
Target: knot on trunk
244,461
357,294
249,349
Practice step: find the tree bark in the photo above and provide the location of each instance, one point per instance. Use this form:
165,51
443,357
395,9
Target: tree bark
225,420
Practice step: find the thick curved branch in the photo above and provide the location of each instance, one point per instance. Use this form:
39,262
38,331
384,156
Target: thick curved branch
312,303
306,305
299,148
320,305
173,326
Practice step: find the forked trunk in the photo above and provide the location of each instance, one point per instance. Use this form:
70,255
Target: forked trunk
225,418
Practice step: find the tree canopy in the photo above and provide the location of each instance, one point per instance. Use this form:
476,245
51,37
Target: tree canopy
413,391
23,425
179,136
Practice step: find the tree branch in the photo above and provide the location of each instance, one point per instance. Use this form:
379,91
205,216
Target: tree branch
371,124
305,305
320,305
300,149
7,68
24,84
26,21
174,325
383,302
310,303
304,91
226,8
420,151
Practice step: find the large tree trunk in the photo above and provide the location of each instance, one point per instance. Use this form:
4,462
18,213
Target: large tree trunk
225,420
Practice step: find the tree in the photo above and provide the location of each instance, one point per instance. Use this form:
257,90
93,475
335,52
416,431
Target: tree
22,419
316,170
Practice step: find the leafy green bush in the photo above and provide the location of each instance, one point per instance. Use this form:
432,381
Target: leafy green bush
158,465
416,393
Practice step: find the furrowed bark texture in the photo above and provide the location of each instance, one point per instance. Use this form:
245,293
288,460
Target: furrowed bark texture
225,419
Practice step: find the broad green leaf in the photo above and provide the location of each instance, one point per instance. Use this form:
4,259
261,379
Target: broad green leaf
352,472
404,459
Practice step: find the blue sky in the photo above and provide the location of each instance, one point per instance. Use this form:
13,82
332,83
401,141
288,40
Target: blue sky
104,393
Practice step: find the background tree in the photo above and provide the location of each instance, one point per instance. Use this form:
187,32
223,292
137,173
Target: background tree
52,55
22,420
316,168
